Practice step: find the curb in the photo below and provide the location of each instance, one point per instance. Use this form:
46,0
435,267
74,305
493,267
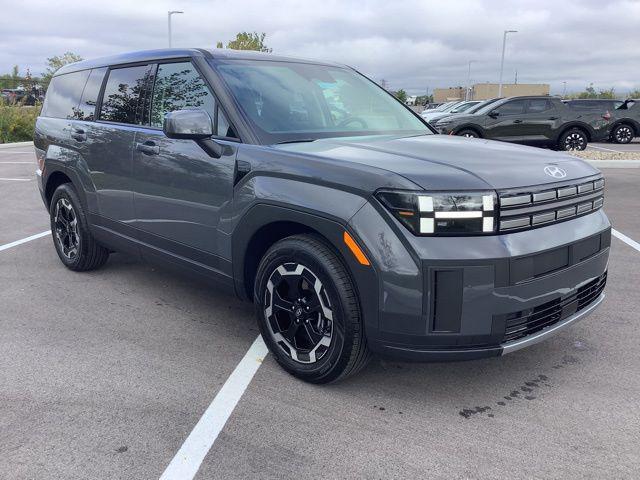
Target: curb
15,144
613,163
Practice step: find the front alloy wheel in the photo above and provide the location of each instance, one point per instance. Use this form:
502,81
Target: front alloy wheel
308,310
622,134
298,313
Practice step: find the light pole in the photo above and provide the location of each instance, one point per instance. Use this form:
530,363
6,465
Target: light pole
504,43
169,13
466,91
564,89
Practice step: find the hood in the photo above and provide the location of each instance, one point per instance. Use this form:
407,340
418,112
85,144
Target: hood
442,162
461,117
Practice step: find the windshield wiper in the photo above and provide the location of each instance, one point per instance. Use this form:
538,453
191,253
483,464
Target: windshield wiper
300,140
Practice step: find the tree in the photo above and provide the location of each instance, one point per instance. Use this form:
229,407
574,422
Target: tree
401,95
55,63
424,99
590,92
635,93
248,41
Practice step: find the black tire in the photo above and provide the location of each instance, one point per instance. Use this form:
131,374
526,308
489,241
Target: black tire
469,133
347,352
85,253
622,133
573,139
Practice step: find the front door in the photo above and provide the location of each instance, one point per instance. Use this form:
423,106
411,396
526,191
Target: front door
179,190
505,121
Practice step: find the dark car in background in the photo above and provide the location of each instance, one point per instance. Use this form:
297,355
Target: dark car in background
313,192
535,120
625,116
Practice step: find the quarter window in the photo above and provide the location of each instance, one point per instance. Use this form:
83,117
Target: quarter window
177,87
63,95
122,94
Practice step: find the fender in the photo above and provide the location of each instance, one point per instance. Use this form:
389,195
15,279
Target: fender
331,228
59,159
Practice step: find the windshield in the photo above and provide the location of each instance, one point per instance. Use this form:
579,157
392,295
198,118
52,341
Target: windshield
476,108
464,107
288,102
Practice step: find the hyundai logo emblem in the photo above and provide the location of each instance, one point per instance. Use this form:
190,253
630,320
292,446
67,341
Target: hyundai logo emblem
555,172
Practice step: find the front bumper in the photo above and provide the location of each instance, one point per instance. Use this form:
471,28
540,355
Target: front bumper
458,298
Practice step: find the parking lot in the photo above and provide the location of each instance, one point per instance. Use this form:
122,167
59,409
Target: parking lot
105,374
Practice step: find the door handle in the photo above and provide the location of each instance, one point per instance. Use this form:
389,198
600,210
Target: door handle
78,134
553,118
517,121
148,148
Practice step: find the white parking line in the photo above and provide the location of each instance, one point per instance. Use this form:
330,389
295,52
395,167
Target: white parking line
625,239
7,246
16,179
26,163
187,461
605,149
10,152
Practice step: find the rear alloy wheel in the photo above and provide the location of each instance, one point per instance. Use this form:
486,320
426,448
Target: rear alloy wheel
74,243
573,140
622,134
308,311
468,133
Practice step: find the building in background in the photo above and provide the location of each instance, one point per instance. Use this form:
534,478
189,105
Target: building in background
484,91
441,95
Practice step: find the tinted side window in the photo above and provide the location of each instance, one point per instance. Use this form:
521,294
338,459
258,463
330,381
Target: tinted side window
122,94
87,108
178,86
63,95
513,107
538,105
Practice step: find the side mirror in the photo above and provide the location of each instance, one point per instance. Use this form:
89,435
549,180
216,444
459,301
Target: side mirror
494,114
192,125
188,124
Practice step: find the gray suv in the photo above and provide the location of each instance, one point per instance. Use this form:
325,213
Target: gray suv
309,190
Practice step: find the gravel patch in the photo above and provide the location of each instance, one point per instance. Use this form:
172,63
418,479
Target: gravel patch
598,155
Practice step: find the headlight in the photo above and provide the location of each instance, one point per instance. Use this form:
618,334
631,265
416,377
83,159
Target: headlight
443,213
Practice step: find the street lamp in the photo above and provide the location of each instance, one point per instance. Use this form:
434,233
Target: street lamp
504,42
169,13
466,92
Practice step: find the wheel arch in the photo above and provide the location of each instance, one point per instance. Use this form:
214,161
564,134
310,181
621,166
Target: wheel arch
471,126
265,224
585,128
635,126
54,180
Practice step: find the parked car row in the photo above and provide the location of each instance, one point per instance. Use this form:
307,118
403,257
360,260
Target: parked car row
535,120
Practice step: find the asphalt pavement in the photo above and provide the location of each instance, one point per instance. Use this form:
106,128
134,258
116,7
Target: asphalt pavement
105,374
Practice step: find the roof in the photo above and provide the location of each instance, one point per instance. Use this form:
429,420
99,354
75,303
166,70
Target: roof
169,53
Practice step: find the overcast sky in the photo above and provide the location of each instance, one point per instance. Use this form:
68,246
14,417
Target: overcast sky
412,44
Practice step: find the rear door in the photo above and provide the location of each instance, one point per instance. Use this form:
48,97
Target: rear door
506,124
109,145
179,189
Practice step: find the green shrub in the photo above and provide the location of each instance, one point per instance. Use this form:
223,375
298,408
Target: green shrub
17,123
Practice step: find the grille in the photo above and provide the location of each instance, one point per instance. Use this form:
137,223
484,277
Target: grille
523,323
536,207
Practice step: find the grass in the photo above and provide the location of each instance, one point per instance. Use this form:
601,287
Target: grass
17,123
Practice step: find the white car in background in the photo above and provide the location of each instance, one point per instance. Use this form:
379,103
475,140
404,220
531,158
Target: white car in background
453,108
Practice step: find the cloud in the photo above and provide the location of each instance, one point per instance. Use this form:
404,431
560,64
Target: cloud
412,44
